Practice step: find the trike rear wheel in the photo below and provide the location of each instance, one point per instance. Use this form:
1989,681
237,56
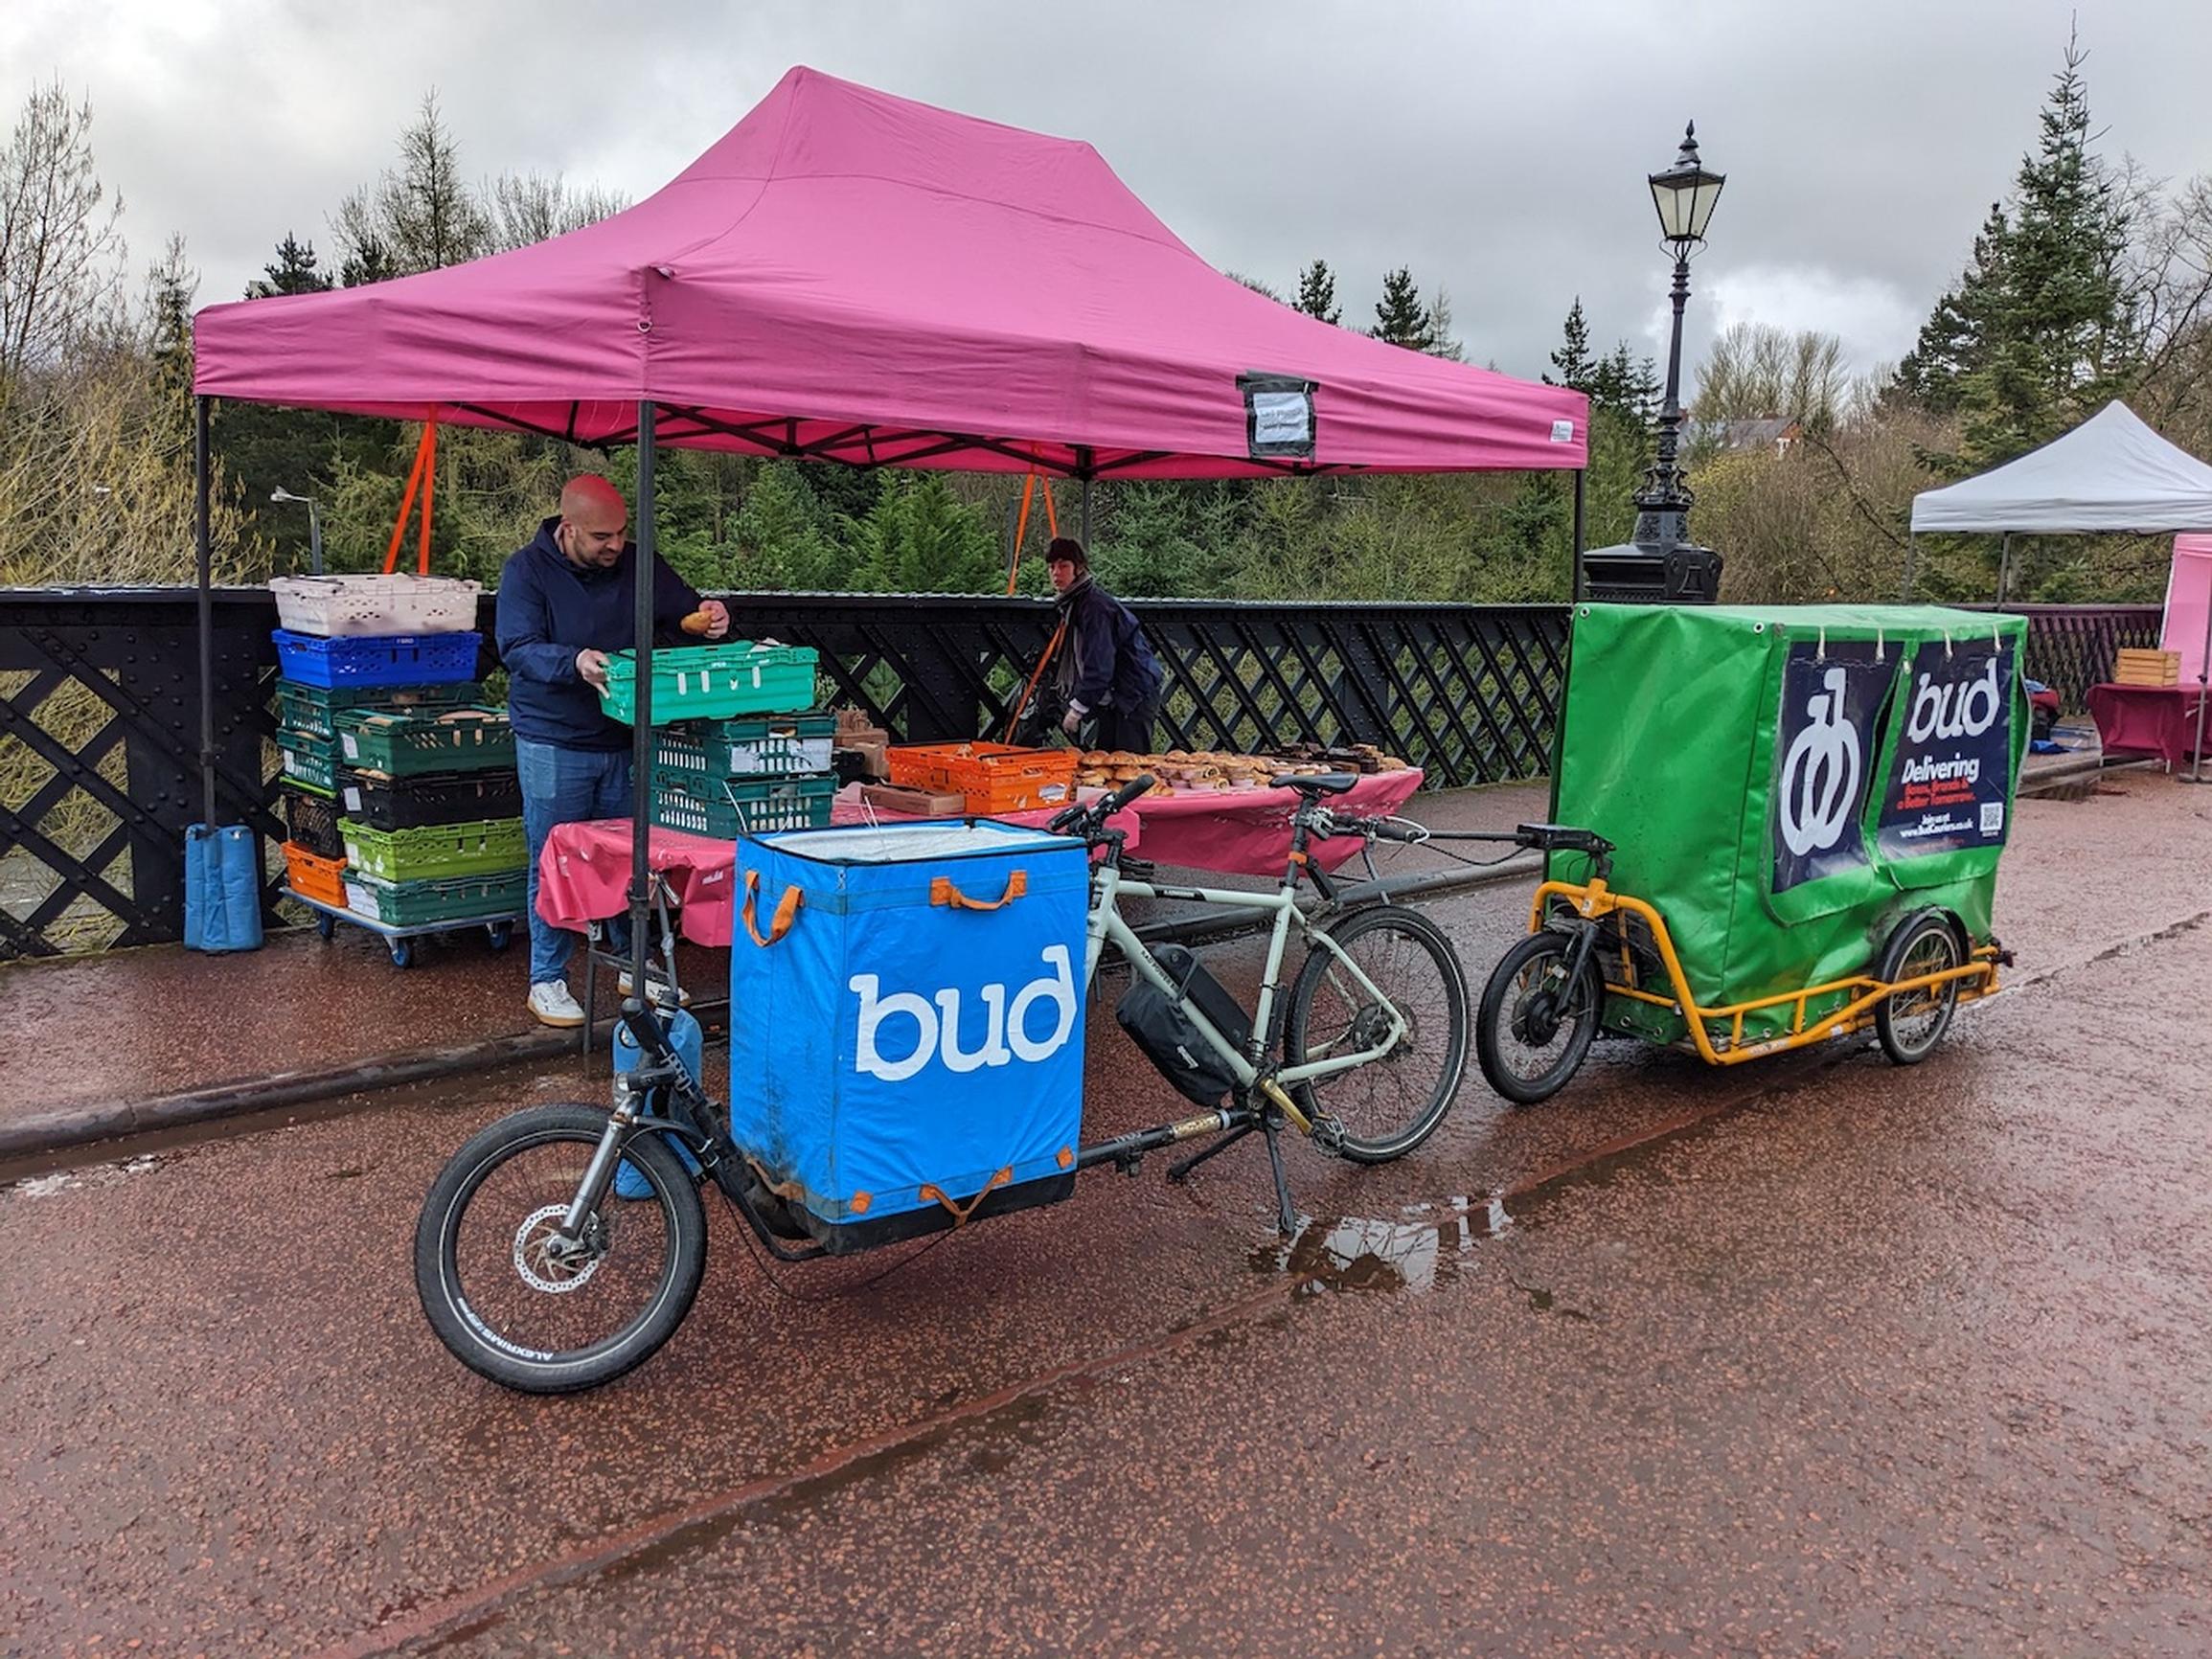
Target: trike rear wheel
1534,1027
518,1301
1911,1023
1388,1106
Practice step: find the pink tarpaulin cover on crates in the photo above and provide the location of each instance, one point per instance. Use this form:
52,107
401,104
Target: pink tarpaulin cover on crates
853,276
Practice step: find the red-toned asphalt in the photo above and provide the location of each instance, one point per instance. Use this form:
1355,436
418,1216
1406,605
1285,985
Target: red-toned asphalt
1809,1356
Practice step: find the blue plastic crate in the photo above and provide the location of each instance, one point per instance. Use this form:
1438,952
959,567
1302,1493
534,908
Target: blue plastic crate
375,659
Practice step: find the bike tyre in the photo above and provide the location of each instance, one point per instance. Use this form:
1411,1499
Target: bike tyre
1430,942
676,1193
1909,1048
1525,1089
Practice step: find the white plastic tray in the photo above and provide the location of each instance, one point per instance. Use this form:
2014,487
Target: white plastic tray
339,606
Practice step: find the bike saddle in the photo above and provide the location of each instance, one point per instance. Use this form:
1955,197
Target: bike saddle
1312,785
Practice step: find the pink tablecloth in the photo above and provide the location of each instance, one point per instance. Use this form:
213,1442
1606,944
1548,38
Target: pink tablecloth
2154,719
584,873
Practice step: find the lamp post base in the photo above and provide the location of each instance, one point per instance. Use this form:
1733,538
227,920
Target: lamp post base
1640,572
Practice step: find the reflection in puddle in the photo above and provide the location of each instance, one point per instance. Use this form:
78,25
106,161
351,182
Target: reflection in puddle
1364,1253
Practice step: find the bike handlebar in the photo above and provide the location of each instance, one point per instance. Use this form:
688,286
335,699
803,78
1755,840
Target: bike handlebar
1088,820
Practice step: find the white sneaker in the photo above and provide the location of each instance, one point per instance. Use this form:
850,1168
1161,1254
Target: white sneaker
550,1002
658,987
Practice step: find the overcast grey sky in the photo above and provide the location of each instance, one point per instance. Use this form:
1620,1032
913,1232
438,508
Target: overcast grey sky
1498,149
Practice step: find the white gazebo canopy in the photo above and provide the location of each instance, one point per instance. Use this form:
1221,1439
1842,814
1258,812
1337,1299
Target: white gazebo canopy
2110,473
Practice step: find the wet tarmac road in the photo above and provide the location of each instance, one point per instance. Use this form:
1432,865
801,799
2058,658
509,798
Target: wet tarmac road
1809,1356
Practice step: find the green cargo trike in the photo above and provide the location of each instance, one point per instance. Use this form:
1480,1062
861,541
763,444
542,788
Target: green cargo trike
1771,826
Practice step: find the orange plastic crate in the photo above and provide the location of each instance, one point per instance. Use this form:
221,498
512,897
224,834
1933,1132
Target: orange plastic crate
313,877
991,777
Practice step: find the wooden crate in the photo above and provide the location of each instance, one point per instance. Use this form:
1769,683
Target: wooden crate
2148,667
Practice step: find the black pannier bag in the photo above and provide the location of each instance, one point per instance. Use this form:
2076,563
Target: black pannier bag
1158,1025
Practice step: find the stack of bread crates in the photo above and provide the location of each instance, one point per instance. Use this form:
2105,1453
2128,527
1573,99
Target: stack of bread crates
400,799
755,755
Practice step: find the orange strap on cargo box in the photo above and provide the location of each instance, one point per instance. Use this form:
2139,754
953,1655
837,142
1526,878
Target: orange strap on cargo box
961,1212
787,911
422,479
942,892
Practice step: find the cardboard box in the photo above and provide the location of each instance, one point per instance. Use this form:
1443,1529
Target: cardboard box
917,803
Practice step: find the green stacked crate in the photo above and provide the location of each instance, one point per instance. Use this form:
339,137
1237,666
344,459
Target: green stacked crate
455,898
433,851
727,807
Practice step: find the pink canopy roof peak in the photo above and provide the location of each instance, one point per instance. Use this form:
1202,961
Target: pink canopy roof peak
854,276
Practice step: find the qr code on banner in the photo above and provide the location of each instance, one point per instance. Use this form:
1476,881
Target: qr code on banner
1993,817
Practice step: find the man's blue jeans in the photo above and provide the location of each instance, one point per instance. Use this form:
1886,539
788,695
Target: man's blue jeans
565,787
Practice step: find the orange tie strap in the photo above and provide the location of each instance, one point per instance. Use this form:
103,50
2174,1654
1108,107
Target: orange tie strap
942,892
961,1212
787,911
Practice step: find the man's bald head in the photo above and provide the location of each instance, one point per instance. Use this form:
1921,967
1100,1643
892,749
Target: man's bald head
593,516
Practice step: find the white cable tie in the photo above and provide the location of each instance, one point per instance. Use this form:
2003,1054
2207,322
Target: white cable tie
1946,644
1880,648
1820,651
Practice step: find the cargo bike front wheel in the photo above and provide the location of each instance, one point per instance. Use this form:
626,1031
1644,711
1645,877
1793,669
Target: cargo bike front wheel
520,1299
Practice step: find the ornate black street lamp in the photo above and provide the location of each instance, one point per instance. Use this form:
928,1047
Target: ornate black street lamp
1684,194
1661,562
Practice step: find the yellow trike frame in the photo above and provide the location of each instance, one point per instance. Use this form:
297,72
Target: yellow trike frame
1594,900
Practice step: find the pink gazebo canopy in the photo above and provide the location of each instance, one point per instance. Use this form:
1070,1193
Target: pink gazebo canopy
854,277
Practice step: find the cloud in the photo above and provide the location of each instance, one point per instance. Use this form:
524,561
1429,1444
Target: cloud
1499,152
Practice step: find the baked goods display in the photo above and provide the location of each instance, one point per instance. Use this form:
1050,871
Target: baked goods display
1190,771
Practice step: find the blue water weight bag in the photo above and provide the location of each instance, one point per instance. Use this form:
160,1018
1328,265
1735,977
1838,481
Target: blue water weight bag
222,888
906,1022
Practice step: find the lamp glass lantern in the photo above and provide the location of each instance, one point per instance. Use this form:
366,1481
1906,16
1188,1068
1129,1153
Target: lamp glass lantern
1685,194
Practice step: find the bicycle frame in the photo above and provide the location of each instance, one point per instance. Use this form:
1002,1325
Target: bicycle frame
1593,900
1108,887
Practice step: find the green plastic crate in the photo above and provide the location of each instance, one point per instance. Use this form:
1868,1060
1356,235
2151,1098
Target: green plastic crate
315,709
757,746
726,810
714,682
310,762
480,847
404,745
448,898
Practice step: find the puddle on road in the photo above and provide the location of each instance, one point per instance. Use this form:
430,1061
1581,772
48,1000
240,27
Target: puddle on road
70,1180
1340,1253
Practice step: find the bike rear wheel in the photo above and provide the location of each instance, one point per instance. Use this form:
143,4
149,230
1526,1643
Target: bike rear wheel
518,1300
1534,1027
1387,1107
1912,1022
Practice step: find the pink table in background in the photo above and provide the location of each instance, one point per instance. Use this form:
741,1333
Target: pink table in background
2154,719
585,873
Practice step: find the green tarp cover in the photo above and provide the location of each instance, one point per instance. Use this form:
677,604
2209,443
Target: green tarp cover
1786,784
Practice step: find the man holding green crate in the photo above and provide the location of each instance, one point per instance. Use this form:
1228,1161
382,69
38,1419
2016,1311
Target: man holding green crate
565,601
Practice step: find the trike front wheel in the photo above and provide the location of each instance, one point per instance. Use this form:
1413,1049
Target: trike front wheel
1910,1023
1389,1105
1535,1027
519,1301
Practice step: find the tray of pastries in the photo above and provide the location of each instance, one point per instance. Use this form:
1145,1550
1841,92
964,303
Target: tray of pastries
1194,771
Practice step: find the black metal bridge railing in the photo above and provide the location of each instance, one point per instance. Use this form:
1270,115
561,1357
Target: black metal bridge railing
100,707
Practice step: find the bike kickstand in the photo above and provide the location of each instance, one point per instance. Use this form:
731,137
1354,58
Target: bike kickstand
1285,1217
1181,1168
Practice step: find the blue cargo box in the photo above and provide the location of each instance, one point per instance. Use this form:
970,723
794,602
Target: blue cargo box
906,1020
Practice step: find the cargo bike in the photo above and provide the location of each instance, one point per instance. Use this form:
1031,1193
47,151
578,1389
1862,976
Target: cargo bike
1773,827
906,1057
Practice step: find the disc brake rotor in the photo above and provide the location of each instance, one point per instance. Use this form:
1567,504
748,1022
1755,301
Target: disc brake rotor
549,1261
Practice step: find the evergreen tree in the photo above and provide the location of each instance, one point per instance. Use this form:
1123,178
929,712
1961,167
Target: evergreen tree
291,272
1317,293
170,288
368,261
1951,342
421,217
1572,359
1400,317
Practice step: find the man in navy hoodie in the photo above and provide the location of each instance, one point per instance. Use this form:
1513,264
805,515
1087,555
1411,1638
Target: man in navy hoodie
565,601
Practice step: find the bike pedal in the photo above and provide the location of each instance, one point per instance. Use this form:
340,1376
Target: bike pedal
1329,1135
